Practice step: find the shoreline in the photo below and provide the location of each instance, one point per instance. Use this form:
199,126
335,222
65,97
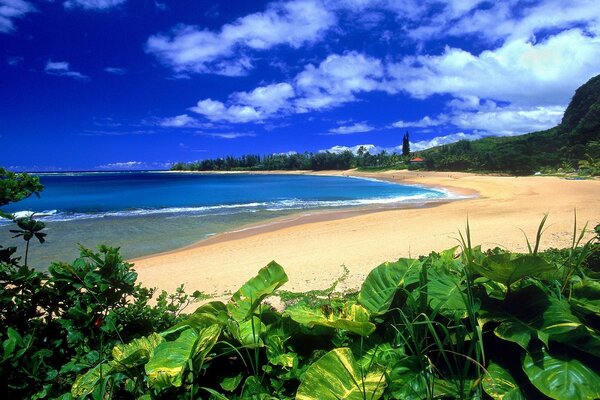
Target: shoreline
312,249
301,217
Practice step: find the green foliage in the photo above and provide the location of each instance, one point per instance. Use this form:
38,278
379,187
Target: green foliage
248,297
382,283
17,187
470,325
337,375
561,377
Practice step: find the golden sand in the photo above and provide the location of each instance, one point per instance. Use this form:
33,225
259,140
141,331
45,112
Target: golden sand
312,248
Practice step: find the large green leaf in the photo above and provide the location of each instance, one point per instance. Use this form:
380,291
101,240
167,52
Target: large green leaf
561,378
170,360
131,355
516,331
532,313
356,319
380,287
499,384
336,376
445,293
508,268
248,332
85,384
248,297
585,296
208,314
407,379
208,339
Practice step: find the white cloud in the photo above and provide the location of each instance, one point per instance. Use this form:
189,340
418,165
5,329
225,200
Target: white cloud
231,135
371,148
414,146
441,140
217,111
97,5
14,61
267,100
10,10
510,120
135,165
62,68
292,23
358,127
424,122
115,70
336,81
516,19
521,72
530,77
181,121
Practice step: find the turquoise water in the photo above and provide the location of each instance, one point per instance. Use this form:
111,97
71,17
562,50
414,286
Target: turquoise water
149,212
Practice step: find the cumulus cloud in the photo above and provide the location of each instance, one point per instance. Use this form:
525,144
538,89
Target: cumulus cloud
267,99
537,54
424,122
336,80
371,148
182,121
190,49
358,127
11,10
414,146
492,119
215,110
521,71
97,5
231,135
519,19
441,140
62,68
134,165
115,70
510,120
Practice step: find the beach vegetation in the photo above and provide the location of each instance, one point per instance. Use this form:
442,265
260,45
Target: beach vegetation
463,323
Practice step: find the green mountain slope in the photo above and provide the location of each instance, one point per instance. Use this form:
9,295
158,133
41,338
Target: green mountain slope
576,141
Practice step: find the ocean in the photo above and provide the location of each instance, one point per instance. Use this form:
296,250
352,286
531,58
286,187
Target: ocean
151,212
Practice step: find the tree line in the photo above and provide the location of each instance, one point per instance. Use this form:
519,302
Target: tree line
326,160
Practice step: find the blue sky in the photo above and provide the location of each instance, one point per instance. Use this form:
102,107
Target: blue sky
120,84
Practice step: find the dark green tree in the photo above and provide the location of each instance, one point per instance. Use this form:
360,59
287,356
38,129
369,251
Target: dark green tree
405,145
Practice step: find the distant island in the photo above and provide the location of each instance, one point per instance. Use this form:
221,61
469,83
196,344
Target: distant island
574,145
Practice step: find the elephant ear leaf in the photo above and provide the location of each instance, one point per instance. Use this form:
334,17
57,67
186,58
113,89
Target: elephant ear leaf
86,383
337,375
356,320
170,360
499,384
561,377
131,355
507,269
248,297
382,283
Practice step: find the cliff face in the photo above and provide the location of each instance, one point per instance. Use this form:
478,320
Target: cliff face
583,110
576,138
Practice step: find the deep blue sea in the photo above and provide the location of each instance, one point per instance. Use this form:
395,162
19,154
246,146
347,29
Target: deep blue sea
149,212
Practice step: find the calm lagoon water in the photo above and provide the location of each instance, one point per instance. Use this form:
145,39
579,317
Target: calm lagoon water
150,212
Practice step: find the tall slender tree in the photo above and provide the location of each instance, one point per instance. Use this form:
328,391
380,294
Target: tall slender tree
405,145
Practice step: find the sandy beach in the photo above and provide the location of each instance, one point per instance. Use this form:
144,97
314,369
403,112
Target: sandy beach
313,248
